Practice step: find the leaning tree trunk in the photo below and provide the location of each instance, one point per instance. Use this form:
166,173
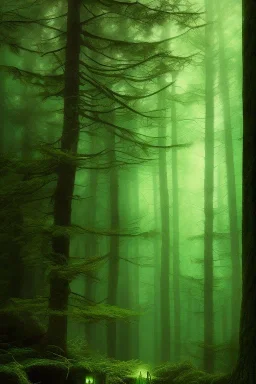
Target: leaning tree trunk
175,230
59,287
245,371
231,185
165,337
208,193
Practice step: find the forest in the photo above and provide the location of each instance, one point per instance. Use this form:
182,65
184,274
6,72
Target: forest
127,191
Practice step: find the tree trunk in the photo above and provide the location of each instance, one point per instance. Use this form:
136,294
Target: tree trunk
124,286
156,271
2,114
175,230
165,338
113,269
59,287
224,324
29,111
136,268
231,185
208,193
90,245
245,371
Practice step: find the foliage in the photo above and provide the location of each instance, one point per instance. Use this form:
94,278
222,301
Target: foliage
185,373
28,362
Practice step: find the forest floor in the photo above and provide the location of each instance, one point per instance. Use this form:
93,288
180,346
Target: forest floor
21,363
26,366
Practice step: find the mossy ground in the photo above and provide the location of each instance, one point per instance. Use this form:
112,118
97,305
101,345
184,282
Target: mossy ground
26,366
25,359
186,373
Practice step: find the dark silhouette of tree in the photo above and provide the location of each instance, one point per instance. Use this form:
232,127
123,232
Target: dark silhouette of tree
245,371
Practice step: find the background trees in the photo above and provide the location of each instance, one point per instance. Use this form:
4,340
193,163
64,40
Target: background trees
114,172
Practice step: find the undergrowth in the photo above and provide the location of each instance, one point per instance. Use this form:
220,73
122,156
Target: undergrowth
26,366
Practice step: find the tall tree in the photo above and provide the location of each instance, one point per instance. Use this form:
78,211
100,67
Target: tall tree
156,266
165,337
231,182
136,267
2,114
90,244
127,256
59,287
208,191
245,371
175,227
94,100
113,268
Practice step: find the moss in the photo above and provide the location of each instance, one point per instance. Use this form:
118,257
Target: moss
13,374
115,370
168,372
185,373
27,365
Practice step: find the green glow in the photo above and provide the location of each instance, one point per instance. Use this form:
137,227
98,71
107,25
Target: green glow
142,371
89,380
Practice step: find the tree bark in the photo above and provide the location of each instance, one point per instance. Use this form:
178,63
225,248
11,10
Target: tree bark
136,268
2,115
156,248
245,371
124,288
113,268
231,185
208,359
59,288
165,338
175,230
90,245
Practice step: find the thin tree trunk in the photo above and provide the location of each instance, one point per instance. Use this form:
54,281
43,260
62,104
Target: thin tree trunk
91,242
59,287
2,114
231,185
224,325
136,268
28,273
189,324
124,288
113,269
208,193
165,338
175,230
156,272
245,371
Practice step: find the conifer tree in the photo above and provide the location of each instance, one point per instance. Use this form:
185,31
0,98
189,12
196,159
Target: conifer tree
83,82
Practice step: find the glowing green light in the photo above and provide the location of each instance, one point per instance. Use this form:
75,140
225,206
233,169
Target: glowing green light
143,376
89,380
142,373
